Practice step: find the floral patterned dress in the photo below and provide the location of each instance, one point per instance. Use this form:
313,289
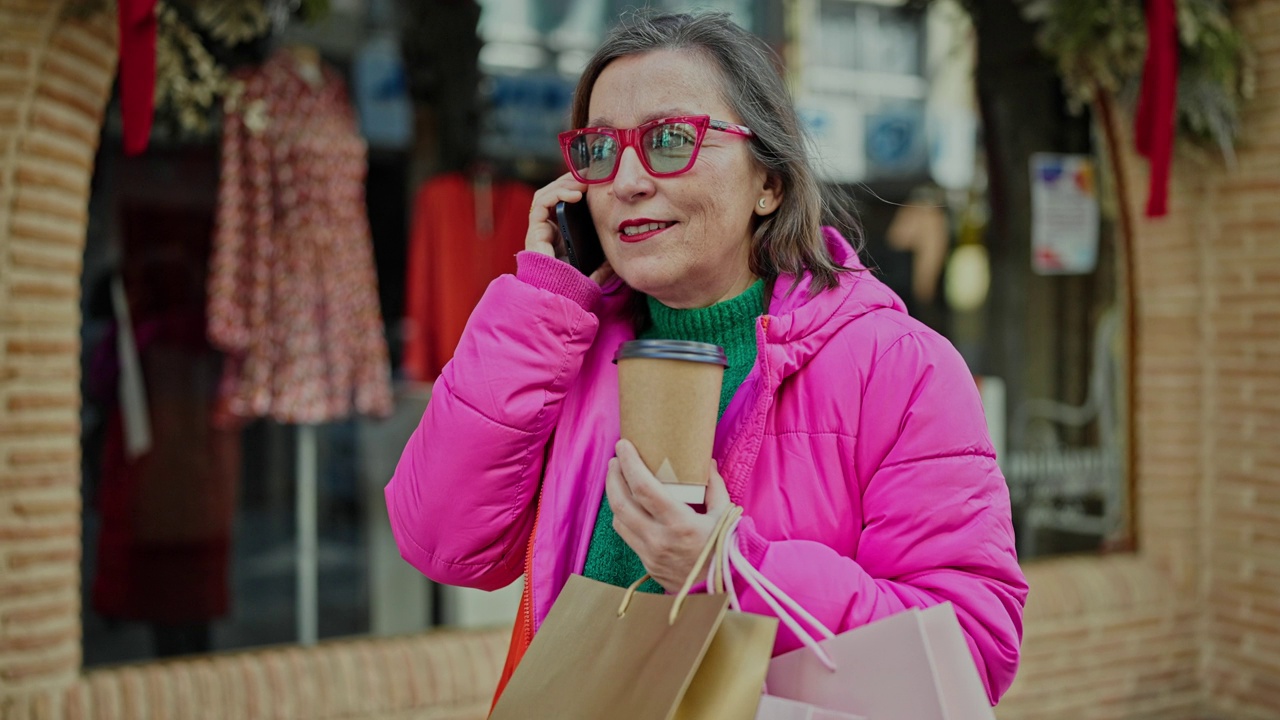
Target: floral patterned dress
293,297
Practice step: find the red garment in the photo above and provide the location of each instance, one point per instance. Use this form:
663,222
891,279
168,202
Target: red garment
137,19
293,294
164,548
1155,120
452,260
165,541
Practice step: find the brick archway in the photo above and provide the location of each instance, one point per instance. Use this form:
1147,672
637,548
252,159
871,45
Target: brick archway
56,74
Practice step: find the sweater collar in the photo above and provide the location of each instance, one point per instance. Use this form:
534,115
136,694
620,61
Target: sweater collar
722,323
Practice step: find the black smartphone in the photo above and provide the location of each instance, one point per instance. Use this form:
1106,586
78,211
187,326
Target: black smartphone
579,234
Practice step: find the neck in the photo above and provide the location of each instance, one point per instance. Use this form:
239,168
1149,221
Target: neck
706,296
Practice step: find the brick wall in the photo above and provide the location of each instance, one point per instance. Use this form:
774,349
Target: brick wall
55,76
1121,637
1241,258
1187,626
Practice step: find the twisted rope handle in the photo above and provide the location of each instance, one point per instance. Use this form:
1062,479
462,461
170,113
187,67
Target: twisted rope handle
730,558
716,539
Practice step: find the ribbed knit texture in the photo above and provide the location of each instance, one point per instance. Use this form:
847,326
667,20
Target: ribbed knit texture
731,325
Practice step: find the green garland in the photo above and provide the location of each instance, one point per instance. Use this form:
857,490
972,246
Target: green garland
194,38
1100,46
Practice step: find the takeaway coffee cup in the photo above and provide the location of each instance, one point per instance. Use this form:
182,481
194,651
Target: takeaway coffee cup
669,393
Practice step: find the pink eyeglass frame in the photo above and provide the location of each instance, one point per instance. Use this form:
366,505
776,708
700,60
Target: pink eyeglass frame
630,137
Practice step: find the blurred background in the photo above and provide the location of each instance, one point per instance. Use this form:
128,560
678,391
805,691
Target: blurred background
1121,326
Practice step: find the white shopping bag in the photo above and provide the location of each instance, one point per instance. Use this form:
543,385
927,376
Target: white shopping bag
776,708
914,665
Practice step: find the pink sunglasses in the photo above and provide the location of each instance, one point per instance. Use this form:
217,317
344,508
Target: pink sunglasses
668,146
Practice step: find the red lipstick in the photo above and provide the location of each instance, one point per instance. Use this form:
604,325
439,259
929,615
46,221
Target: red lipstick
641,229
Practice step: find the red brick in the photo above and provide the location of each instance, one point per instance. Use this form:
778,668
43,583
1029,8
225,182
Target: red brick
80,101
24,480
42,117
19,59
11,532
42,456
27,616
10,644
26,671
10,428
25,229
31,588
52,205
27,402
16,346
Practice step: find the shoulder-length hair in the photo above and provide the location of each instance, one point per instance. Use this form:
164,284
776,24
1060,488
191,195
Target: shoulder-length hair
789,241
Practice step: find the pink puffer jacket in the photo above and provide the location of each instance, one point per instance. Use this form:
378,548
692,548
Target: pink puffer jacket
857,447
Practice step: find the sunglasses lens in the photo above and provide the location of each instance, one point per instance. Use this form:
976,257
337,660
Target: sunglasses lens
670,147
593,155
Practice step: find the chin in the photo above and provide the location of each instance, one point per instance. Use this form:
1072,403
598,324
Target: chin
646,275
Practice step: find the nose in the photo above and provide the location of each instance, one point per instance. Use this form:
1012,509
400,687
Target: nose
632,182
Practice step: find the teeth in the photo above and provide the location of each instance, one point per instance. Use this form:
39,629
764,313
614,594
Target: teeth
648,227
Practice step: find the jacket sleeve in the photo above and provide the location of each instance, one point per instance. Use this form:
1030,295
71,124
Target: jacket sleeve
462,500
936,518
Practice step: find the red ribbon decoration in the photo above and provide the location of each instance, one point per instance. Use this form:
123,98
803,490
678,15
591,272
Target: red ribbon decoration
137,71
1155,119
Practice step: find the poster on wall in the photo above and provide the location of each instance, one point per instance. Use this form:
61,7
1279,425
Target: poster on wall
1064,214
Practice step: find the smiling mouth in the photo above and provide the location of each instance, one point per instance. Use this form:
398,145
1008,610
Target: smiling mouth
641,231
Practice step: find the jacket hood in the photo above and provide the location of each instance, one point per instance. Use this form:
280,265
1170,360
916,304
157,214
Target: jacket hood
800,325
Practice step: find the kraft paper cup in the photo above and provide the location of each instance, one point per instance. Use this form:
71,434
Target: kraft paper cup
669,393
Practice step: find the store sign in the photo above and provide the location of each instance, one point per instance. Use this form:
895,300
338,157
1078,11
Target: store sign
1064,214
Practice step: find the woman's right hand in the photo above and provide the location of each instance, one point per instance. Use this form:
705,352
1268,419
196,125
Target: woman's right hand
544,235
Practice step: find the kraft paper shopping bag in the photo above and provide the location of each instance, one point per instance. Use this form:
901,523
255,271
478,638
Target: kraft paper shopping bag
914,665
605,651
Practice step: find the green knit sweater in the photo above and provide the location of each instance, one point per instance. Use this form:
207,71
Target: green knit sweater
731,325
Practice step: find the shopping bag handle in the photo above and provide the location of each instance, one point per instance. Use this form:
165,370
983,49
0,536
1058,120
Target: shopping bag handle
718,536
729,557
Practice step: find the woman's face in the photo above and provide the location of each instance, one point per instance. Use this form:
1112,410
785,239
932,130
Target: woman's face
699,255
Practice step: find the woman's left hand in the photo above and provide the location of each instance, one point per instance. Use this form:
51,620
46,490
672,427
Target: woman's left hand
667,534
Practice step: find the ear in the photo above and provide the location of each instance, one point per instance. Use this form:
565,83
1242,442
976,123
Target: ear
770,198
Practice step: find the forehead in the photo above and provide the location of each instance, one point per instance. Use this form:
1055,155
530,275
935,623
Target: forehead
637,88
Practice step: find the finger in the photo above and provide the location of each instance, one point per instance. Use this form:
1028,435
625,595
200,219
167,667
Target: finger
616,492
544,202
543,234
564,188
628,520
645,489
717,491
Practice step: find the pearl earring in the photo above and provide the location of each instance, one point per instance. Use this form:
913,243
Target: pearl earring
761,203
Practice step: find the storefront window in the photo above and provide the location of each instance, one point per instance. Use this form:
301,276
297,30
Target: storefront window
214,522
1037,316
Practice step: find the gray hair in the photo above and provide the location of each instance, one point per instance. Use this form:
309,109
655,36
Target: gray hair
788,241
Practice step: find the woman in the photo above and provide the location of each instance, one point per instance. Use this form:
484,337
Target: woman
852,435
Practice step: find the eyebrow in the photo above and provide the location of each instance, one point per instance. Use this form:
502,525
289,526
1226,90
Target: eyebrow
599,121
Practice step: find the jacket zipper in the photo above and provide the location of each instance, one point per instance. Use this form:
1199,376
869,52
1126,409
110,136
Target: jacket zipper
528,578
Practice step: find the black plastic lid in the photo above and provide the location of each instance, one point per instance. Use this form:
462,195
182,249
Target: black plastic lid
673,350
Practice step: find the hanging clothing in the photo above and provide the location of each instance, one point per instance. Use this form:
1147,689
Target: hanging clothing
293,297
1155,122
465,233
165,542
166,507
137,25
